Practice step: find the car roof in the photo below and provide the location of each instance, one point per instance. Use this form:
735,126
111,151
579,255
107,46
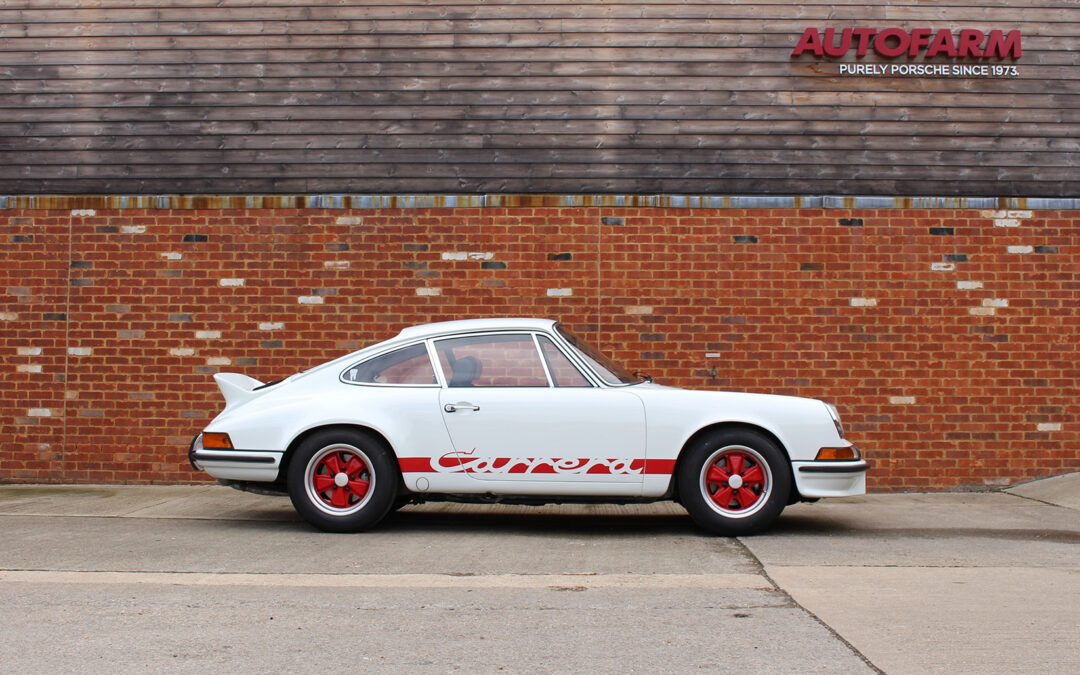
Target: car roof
431,330
473,325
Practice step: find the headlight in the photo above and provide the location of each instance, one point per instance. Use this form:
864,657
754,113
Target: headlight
835,414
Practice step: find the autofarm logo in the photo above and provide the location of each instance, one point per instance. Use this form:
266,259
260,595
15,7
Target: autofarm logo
973,46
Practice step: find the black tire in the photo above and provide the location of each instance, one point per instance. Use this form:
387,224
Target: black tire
343,480
722,503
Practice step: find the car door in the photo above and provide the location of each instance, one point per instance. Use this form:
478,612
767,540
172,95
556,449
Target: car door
518,410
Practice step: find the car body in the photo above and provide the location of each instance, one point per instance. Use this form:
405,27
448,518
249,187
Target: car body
517,411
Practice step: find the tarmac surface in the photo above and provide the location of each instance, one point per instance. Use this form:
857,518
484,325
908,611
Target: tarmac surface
124,579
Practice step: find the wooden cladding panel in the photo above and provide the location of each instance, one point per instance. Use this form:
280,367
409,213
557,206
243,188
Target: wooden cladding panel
240,96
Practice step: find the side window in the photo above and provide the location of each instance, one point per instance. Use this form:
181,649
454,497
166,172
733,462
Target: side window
408,365
491,361
562,371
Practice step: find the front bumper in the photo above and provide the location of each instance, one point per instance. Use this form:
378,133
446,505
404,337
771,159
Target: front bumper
250,465
831,479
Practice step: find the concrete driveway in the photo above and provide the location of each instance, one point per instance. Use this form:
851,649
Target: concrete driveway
193,578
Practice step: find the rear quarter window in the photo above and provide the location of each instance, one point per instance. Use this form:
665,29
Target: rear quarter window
406,366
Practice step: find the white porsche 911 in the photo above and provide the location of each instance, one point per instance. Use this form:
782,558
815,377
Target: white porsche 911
517,411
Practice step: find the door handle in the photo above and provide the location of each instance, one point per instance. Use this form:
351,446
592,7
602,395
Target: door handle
460,405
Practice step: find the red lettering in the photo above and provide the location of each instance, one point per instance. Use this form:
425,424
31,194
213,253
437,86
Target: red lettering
829,44
864,35
942,41
920,37
882,47
811,40
1001,45
892,42
969,43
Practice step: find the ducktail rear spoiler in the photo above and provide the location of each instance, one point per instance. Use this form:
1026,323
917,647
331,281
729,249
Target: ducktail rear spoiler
236,388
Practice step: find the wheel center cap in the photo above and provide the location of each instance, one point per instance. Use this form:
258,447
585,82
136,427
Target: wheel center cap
341,479
735,482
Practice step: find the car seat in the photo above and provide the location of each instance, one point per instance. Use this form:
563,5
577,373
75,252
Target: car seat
464,371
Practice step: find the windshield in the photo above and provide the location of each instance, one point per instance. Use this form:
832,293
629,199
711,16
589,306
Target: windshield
608,371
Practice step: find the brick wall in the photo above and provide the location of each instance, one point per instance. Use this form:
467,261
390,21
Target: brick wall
948,338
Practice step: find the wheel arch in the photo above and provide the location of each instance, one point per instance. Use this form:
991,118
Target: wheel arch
290,451
732,426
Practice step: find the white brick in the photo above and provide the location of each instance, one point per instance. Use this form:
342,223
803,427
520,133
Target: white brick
218,361
1021,249
1018,214
713,355
993,214
481,256
80,351
28,368
207,334
864,302
182,351
995,302
132,229
76,213
1006,222
8,316
639,309
429,291
969,285
173,256
1049,426
943,267
231,282
39,412
336,264
902,400
982,311
455,256
560,292
350,220
29,351
71,395
310,300
271,325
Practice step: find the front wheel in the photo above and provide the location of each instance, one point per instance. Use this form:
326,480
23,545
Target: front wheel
734,482
342,480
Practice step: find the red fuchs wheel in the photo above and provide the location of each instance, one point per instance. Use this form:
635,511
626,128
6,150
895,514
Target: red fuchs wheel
737,481
342,480
339,479
734,481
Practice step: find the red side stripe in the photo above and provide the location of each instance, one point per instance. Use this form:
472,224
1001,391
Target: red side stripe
660,466
423,465
415,464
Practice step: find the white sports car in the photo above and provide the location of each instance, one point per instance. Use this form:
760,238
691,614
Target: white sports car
517,411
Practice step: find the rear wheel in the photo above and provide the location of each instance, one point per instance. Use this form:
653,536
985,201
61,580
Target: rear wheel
342,480
734,482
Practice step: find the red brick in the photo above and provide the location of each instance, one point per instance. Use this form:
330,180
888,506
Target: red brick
778,309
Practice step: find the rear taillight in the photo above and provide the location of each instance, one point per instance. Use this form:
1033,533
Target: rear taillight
216,441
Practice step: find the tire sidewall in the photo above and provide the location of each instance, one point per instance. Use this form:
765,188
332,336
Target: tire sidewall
383,489
693,499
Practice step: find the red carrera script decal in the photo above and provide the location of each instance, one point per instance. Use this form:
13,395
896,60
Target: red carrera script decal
462,462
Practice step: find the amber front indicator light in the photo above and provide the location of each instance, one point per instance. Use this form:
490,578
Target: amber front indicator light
837,454
212,441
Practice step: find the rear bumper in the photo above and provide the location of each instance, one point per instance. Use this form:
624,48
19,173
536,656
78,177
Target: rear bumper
251,465
831,479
